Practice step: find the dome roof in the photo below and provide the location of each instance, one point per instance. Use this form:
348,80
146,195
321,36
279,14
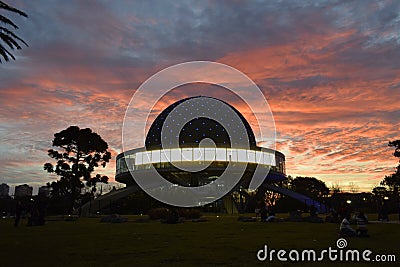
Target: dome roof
194,130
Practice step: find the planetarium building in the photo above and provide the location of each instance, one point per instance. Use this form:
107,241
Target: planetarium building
201,148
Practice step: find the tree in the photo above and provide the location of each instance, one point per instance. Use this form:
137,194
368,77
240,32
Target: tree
271,197
309,186
7,36
353,188
286,182
393,180
335,188
396,153
396,145
79,152
380,192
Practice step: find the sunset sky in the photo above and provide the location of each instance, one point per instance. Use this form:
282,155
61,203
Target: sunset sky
329,69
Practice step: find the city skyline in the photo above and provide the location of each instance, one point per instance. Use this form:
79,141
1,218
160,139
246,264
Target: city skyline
329,70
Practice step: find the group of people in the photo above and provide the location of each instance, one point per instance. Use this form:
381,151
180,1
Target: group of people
266,214
35,212
361,221
346,230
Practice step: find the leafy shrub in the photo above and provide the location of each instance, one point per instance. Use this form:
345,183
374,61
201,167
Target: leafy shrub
189,214
158,213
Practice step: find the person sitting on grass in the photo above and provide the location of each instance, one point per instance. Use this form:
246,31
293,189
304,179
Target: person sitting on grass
263,213
313,211
257,210
271,217
362,221
173,217
345,228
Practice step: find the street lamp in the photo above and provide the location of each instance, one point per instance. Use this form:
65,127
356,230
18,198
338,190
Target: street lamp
348,201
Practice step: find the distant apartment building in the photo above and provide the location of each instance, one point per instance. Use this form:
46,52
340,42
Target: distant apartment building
4,190
44,191
23,190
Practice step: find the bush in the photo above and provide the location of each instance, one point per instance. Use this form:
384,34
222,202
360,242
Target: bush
189,214
158,213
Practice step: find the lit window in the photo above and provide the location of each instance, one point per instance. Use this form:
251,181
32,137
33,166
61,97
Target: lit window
155,156
187,154
242,155
166,155
176,154
220,154
198,154
146,157
232,155
259,157
251,156
209,154
139,158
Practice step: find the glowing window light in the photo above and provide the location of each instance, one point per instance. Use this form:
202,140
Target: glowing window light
201,154
231,155
176,155
251,156
147,158
187,154
156,156
209,154
220,154
165,155
242,155
139,158
259,157
198,154
269,159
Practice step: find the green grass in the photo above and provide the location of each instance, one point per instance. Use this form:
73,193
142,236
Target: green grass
222,241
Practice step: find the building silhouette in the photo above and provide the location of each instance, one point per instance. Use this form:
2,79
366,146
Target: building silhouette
193,122
171,160
4,190
23,190
44,191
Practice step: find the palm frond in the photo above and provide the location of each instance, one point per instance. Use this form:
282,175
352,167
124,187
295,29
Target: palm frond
5,54
12,9
7,21
13,35
7,37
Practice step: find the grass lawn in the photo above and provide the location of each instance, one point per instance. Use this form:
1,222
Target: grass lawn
222,241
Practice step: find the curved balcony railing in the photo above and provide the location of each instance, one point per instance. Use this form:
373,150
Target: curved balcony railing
139,159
